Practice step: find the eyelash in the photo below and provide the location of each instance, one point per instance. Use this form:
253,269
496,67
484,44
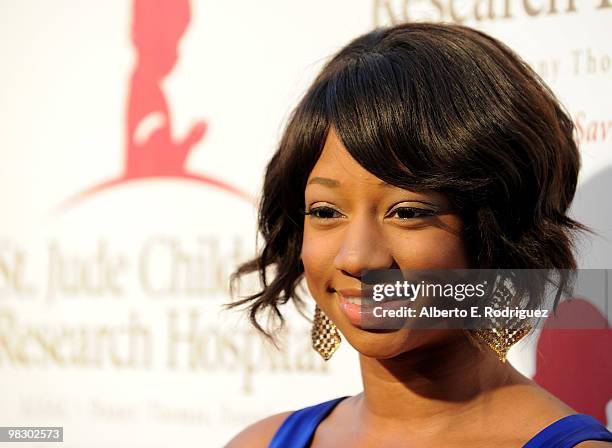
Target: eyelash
421,211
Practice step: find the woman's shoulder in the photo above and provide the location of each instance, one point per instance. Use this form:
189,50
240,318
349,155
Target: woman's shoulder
303,421
581,429
550,419
260,433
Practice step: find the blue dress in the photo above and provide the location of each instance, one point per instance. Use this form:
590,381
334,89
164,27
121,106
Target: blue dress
298,429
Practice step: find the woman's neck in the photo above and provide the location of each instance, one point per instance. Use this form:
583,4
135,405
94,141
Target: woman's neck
434,386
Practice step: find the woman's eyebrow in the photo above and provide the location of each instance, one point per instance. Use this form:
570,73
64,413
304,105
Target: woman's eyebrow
324,181
334,183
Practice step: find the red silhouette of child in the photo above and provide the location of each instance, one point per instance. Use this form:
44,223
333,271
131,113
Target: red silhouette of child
157,28
150,150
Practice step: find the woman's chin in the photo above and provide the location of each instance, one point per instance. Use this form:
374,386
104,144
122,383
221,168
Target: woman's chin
380,344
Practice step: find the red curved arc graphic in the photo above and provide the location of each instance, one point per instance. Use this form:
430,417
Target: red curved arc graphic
198,178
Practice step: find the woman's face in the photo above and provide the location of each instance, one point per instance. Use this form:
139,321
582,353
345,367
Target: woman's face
357,223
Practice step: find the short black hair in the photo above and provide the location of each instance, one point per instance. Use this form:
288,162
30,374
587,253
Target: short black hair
427,106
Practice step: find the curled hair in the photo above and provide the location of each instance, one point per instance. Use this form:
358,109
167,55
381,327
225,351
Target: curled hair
427,106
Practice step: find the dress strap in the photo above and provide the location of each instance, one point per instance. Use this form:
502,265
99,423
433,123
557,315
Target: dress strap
298,429
570,431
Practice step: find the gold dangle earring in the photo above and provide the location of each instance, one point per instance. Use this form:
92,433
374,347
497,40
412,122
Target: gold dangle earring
501,340
325,335
504,332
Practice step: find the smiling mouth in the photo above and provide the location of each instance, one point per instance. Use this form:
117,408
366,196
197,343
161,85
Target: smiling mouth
353,300
357,309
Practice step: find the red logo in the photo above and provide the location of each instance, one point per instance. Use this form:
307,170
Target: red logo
576,365
150,149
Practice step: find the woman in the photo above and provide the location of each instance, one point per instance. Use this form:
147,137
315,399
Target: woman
419,146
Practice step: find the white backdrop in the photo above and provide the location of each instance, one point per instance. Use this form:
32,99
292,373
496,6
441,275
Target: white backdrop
110,318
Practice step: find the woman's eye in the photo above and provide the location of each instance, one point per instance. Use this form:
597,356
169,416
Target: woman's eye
403,213
411,212
323,213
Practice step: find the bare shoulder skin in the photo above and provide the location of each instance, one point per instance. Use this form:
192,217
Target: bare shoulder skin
260,433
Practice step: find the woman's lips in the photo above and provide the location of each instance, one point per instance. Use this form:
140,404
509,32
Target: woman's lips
360,312
350,292
352,311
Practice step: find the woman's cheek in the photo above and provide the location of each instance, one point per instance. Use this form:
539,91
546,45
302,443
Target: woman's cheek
309,267
318,262
431,250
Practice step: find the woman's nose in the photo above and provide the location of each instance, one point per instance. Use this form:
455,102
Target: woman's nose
363,247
